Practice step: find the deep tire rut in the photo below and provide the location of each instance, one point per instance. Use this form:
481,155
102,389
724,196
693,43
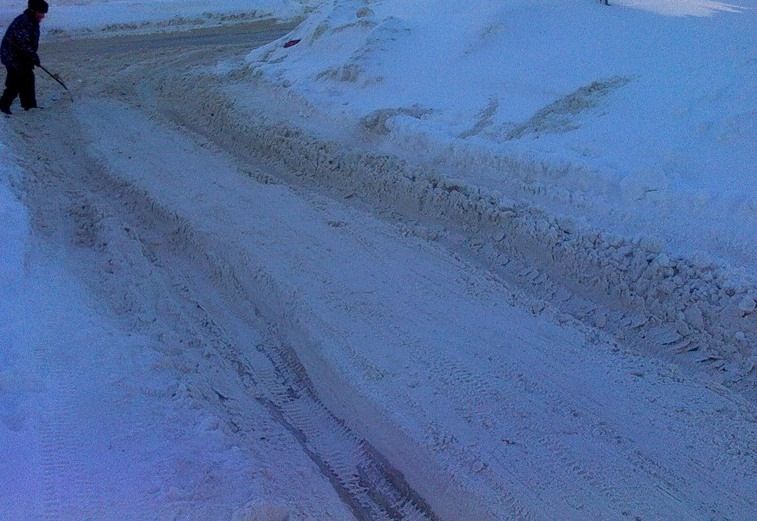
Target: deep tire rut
363,479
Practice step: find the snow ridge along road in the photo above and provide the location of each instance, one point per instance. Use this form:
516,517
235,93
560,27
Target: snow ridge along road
695,313
692,311
422,385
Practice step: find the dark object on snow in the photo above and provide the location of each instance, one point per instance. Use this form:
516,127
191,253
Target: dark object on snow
18,82
38,5
290,43
18,52
21,42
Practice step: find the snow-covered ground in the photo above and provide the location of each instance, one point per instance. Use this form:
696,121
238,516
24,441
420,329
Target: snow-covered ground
104,411
635,121
639,118
618,139
107,17
97,419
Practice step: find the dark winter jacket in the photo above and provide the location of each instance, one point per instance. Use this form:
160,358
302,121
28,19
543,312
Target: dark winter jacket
21,42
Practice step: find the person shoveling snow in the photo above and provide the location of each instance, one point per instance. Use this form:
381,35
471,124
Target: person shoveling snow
19,55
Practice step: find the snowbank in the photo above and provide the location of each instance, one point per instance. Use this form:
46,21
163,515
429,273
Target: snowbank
623,116
693,310
608,148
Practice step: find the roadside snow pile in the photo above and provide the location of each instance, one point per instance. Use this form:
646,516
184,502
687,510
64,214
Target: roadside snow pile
677,306
630,118
107,17
582,159
610,147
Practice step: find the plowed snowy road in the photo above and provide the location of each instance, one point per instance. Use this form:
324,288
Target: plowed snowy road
413,382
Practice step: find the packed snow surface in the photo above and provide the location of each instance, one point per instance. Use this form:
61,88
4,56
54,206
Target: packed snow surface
82,17
637,119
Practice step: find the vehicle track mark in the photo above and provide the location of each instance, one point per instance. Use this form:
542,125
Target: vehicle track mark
68,493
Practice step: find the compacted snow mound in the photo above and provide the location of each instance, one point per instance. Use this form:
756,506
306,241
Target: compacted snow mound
609,146
639,117
681,306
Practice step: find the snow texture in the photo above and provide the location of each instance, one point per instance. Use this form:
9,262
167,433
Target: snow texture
619,140
599,158
107,410
696,299
82,18
637,121
16,383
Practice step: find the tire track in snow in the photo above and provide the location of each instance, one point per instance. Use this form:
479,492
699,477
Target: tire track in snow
275,378
580,477
527,406
583,474
613,457
616,276
69,494
376,491
362,478
617,451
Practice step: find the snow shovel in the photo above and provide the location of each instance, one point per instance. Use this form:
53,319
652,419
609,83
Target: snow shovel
57,78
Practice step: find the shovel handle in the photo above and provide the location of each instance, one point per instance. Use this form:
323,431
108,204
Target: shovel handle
53,76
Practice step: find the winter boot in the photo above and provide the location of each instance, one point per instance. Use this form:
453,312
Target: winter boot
5,101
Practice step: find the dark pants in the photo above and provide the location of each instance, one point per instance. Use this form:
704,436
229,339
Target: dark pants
19,82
